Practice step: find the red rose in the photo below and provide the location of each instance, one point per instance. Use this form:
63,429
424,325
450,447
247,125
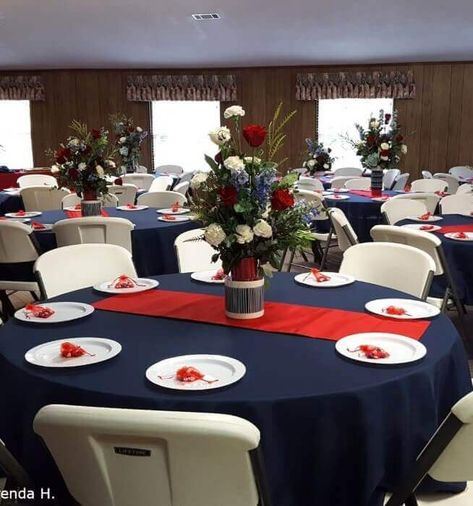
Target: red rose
96,134
384,152
370,140
73,174
387,118
118,181
254,135
228,194
62,155
281,199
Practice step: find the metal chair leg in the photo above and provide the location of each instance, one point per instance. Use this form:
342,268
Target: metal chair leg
7,306
291,259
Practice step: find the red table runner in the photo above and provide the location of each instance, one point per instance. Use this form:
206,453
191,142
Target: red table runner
78,213
368,193
307,321
456,228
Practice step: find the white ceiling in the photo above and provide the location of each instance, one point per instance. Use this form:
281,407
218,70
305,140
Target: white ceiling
157,33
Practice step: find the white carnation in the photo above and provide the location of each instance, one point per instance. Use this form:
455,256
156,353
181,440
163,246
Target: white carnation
244,234
214,234
220,135
122,140
198,180
251,159
74,142
111,164
234,110
139,129
404,149
100,171
234,164
311,163
384,146
263,229
82,166
326,166
55,169
374,123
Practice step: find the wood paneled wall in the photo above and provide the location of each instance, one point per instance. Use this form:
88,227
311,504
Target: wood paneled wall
438,123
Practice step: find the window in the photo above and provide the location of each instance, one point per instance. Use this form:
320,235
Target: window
16,151
336,121
180,132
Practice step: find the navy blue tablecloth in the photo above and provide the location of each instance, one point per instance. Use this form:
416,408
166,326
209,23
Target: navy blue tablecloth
152,240
334,432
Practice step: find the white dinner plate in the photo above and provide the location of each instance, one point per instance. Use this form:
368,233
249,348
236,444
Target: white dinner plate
29,214
380,199
175,219
136,208
431,218
49,354
327,192
451,235
11,189
418,226
219,372
206,277
181,210
337,197
63,312
401,349
145,284
335,280
415,309
341,190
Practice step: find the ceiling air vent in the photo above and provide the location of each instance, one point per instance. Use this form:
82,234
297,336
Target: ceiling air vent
205,17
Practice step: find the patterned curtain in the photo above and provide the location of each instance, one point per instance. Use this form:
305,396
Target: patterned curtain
181,87
355,85
21,88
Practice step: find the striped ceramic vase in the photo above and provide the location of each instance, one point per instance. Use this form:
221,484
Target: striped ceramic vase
90,205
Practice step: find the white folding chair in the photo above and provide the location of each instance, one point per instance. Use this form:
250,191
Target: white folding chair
141,181
457,204
447,457
161,200
348,171
194,253
339,181
142,169
70,200
36,180
432,245
461,172
346,236
124,457
17,477
395,210
161,184
397,266
451,181
94,230
426,174
125,193
389,178
401,182
465,188
42,198
360,183
187,176
169,169
430,200
85,265
309,184
429,185
182,187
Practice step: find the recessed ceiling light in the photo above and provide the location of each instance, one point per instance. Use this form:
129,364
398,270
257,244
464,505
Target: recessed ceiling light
205,17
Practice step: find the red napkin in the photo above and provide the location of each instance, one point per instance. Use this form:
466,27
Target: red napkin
169,217
78,214
293,319
456,228
131,206
441,194
36,225
460,235
20,213
368,193
320,278
175,207
425,216
426,227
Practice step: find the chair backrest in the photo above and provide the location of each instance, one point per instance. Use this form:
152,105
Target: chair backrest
42,198
36,180
317,200
348,171
395,210
429,185
401,182
461,172
346,236
142,181
430,200
85,265
161,200
15,243
452,181
389,178
396,266
426,174
187,176
142,169
310,184
161,183
125,193
465,188
182,187
70,200
169,169
457,204
123,457
109,200
194,253
429,243
94,230
360,183
339,181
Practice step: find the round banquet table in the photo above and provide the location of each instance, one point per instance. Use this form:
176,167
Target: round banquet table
152,240
334,432
459,256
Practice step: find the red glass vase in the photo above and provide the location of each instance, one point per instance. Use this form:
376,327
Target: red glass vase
245,270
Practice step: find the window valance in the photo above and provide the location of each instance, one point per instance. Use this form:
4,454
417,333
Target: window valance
181,87
21,88
355,85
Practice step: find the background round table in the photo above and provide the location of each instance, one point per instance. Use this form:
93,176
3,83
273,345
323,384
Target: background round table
152,240
334,432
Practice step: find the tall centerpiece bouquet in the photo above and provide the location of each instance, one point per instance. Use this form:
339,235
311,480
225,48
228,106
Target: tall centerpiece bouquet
82,163
380,146
318,158
249,213
128,139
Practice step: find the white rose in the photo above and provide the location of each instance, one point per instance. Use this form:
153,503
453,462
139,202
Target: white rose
139,129
250,159
384,146
244,234
100,171
74,142
198,180
214,234
404,149
111,163
326,166
234,110
82,166
374,123
55,169
122,140
263,229
220,135
234,163
311,163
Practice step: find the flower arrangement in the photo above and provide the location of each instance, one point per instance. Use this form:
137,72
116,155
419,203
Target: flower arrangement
249,213
318,157
83,161
381,145
128,141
